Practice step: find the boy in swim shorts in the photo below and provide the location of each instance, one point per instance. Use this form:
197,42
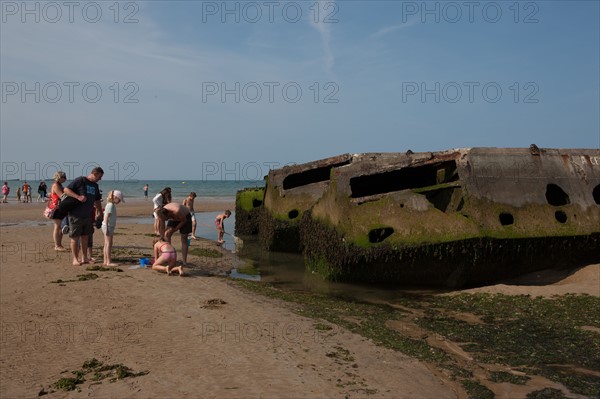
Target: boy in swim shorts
219,225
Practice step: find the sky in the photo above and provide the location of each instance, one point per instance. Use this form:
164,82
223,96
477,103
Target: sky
228,89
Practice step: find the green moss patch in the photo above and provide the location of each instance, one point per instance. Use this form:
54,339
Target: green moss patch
546,393
503,376
249,199
205,252
249,269
535,336
80,277
477,391
341,354
366,319
96,370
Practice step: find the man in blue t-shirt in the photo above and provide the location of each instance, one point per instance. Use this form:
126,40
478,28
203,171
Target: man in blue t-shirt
84,189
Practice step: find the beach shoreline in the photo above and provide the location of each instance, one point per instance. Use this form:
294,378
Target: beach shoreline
15,212
194,335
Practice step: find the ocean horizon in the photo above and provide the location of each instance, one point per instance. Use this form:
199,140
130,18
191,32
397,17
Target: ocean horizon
210,189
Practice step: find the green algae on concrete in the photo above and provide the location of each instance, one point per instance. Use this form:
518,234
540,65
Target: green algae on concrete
451,264
436,218
248,204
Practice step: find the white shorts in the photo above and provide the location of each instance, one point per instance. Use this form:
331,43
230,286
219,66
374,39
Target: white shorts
111,230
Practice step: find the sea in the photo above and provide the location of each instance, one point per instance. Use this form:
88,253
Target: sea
207,189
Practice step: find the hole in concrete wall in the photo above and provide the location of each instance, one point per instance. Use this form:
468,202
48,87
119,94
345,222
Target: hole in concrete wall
506,219
293,214
440,198
556,196
560,216
378,235
596,194
310,176
256,203
402,179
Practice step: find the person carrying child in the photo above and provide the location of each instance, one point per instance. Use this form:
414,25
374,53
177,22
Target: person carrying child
165,257
219,225
109,223
85,190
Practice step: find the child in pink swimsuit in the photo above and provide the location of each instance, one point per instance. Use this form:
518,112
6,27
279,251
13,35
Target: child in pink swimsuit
165,256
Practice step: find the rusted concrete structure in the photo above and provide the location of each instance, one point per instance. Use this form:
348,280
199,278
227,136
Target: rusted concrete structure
289,193
451,218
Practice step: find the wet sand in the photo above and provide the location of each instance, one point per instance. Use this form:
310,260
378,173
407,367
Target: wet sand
196,336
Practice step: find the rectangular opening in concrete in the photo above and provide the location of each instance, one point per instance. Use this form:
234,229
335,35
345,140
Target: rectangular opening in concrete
310,176
402,179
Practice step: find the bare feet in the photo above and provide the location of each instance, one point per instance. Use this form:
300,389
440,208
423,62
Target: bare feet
60,249
169,270
76,262
110,264
194,237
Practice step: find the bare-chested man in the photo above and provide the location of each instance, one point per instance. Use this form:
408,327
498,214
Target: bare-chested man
178,217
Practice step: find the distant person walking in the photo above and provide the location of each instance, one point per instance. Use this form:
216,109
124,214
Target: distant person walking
26,192
188,202
85,190
18,194
42,191
146,187
5,192
160,200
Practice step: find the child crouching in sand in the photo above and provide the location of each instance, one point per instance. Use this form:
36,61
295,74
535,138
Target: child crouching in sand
165,256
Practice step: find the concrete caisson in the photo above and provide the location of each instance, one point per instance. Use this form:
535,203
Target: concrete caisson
451,218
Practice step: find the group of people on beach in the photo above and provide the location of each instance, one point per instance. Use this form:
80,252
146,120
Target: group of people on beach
25,192
77,208
170,217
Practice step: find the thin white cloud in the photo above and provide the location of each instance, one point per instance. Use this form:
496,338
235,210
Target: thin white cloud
323,26
392,28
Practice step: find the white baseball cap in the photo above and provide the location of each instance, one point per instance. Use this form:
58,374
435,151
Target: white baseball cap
119,195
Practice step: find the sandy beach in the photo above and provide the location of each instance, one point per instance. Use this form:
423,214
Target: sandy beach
194,336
